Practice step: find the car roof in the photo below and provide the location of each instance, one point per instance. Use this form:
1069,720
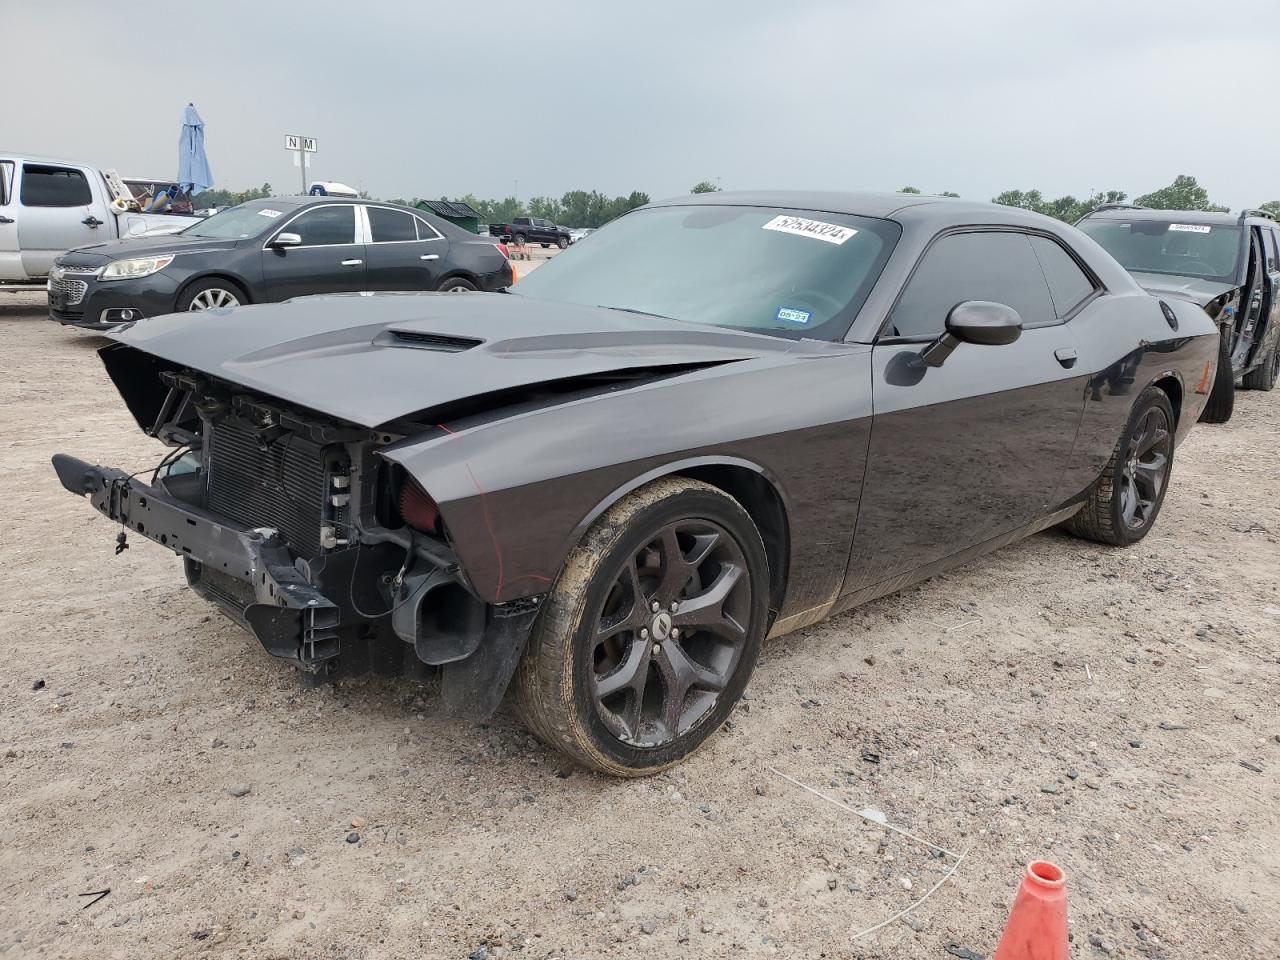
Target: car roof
1152,215
918,208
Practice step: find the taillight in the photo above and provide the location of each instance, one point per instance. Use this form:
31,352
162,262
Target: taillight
417,509
502,249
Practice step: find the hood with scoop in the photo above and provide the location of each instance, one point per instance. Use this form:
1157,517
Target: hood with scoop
371,358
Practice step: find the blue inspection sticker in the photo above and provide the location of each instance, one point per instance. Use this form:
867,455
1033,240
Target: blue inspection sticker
792,315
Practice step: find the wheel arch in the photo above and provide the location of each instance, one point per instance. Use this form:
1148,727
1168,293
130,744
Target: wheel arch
753,486
223,275
1170,381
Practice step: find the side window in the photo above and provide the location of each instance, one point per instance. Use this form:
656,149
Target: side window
45,186
325,226
1273,248
1069,286
391,226
6,181
426,231
972,266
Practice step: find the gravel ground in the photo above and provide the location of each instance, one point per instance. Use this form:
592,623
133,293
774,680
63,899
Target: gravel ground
1113,711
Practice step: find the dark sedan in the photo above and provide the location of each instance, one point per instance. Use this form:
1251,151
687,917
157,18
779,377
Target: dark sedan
724,418
271,250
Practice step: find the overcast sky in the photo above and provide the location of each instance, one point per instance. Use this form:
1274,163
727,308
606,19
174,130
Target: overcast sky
429,98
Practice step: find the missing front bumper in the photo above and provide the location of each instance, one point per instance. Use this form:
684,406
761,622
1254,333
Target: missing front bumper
272,598
254,577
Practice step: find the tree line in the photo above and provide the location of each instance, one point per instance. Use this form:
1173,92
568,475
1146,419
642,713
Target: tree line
583,208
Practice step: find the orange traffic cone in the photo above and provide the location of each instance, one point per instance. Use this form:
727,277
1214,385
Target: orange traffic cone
1037,927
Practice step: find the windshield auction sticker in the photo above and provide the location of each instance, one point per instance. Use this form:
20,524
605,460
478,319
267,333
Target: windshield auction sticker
267,212
1189,227
826,232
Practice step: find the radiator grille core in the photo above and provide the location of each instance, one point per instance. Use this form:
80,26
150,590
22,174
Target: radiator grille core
280,484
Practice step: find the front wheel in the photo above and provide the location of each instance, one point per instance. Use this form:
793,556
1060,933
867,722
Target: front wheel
1123,502
1264,376
649,636
213,294
562,242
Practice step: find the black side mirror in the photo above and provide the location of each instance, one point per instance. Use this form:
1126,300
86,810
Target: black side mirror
978,322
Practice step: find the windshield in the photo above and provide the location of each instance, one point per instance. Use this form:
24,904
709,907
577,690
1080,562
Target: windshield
238,223
785,272
1180,249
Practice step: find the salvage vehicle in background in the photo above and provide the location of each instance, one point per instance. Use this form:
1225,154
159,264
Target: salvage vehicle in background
1228,265
532,230
50,206
268,250
727,416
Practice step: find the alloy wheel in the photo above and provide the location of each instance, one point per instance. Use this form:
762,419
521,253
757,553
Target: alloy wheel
458,288
670,632
212,299
1146,468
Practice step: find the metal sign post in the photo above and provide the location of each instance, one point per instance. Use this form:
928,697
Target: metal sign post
301,146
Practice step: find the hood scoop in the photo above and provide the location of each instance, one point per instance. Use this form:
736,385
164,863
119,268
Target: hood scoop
419,340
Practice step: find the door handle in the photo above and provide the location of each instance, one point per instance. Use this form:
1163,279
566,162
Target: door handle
1066,356
6,220
352,263
91,221
430,256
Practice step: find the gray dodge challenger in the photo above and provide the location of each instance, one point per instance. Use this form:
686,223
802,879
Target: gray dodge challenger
725,418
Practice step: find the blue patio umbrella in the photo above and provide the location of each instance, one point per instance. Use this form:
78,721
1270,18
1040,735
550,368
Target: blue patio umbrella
193,165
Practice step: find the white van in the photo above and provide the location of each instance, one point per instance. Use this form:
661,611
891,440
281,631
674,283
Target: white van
49,206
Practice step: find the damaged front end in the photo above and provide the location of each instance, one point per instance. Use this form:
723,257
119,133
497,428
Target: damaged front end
297,529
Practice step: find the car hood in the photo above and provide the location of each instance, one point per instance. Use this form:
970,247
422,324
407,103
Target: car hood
143,246
369,359
1196,289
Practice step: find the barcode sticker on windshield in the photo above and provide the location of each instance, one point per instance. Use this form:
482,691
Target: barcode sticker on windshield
1189,227
826,232
266,212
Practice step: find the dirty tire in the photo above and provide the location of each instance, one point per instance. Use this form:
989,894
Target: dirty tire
1263,377
1222,399
519,238
1102,517
557,688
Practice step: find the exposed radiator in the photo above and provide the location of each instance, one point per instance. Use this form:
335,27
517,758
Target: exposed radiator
280,485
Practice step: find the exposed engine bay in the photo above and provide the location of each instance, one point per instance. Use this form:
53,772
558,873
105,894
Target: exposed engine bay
296,529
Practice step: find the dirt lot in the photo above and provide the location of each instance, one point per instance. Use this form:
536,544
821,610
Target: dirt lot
1117,712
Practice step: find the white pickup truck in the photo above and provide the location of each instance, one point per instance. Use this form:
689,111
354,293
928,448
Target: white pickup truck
49,206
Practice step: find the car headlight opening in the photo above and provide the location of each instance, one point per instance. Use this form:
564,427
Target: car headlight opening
136,267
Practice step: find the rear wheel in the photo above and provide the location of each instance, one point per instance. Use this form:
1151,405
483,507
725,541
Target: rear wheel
458,285
649,636
1222,399
212,294
519,238
1265,375
1124,501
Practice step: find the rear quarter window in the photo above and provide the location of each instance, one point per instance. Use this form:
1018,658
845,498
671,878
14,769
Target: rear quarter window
1069,286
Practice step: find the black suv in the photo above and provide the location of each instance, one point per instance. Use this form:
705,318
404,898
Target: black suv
1229,265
